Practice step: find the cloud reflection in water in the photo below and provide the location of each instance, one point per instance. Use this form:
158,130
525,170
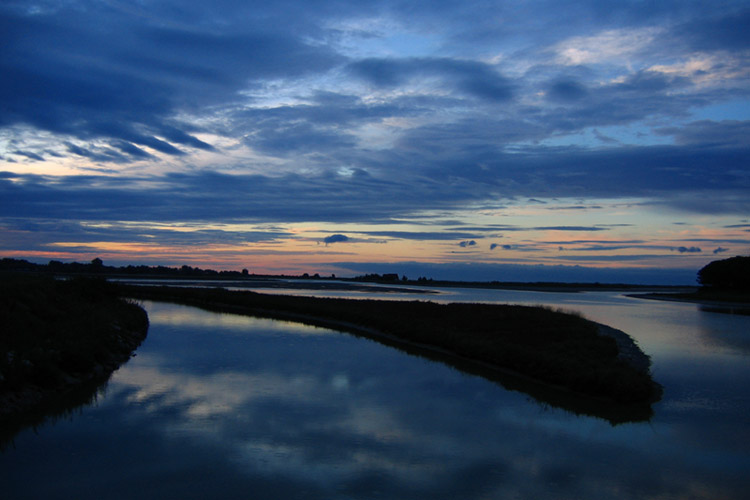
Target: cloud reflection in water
342,417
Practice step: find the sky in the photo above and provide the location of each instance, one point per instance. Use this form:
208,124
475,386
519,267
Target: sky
490,140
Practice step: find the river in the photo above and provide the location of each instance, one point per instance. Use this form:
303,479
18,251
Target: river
226,406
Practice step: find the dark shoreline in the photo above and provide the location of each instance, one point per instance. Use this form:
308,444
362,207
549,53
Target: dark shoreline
721,302
62,340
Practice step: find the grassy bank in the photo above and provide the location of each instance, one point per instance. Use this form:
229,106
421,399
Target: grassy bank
57,335
703,295
549,346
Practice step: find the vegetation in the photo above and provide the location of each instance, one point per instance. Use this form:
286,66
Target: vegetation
97,267
727,274
59,334
725,287
549,346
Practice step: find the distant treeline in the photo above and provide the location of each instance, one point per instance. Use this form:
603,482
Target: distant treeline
97,266
727,274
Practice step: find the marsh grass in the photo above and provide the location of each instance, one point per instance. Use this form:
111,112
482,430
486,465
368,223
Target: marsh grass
59,333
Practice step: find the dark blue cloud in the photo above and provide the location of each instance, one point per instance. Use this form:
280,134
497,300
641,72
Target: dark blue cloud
668,172
419,235
728,30
28,154
335,238
38,233
688,249
708,133
131,149
567,90
471,78
99,73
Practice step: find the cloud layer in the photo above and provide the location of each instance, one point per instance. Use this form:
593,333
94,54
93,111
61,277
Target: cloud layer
330,113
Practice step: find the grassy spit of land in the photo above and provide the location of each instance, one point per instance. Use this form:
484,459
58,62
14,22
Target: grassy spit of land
553,347
58,335
705,295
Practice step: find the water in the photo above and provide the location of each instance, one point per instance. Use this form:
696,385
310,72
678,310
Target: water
225,406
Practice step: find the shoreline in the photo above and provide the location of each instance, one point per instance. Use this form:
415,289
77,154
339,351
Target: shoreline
60,337
30,397
728,304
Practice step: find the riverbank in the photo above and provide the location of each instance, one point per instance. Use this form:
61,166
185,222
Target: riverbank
733,302
59,336
552,347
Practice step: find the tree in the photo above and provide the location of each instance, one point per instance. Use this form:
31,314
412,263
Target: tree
732,273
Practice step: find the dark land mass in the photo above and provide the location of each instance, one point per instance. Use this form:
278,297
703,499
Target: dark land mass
560,350
60,340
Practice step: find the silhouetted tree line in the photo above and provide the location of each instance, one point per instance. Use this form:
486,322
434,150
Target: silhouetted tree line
727,274
97,266
384,278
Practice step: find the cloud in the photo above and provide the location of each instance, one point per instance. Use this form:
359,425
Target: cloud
606,46
717,30
719,250
708,133
335,238
570,228
468,243
420,235
688,249
117,77
567,90
28,154
471,78
504,247
38,234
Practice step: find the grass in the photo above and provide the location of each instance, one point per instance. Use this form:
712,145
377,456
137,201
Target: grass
550,346
57,334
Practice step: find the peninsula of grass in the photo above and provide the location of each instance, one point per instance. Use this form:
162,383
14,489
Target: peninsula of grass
58,336
556,348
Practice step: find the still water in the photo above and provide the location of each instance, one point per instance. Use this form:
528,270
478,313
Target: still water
226,406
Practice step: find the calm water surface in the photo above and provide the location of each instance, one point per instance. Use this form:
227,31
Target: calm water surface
225,406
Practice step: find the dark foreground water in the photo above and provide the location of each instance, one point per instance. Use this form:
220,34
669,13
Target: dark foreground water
225,406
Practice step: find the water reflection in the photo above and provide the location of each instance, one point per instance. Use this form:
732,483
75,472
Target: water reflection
63,406
237,407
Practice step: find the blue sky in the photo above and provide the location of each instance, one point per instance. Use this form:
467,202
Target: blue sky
600,141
